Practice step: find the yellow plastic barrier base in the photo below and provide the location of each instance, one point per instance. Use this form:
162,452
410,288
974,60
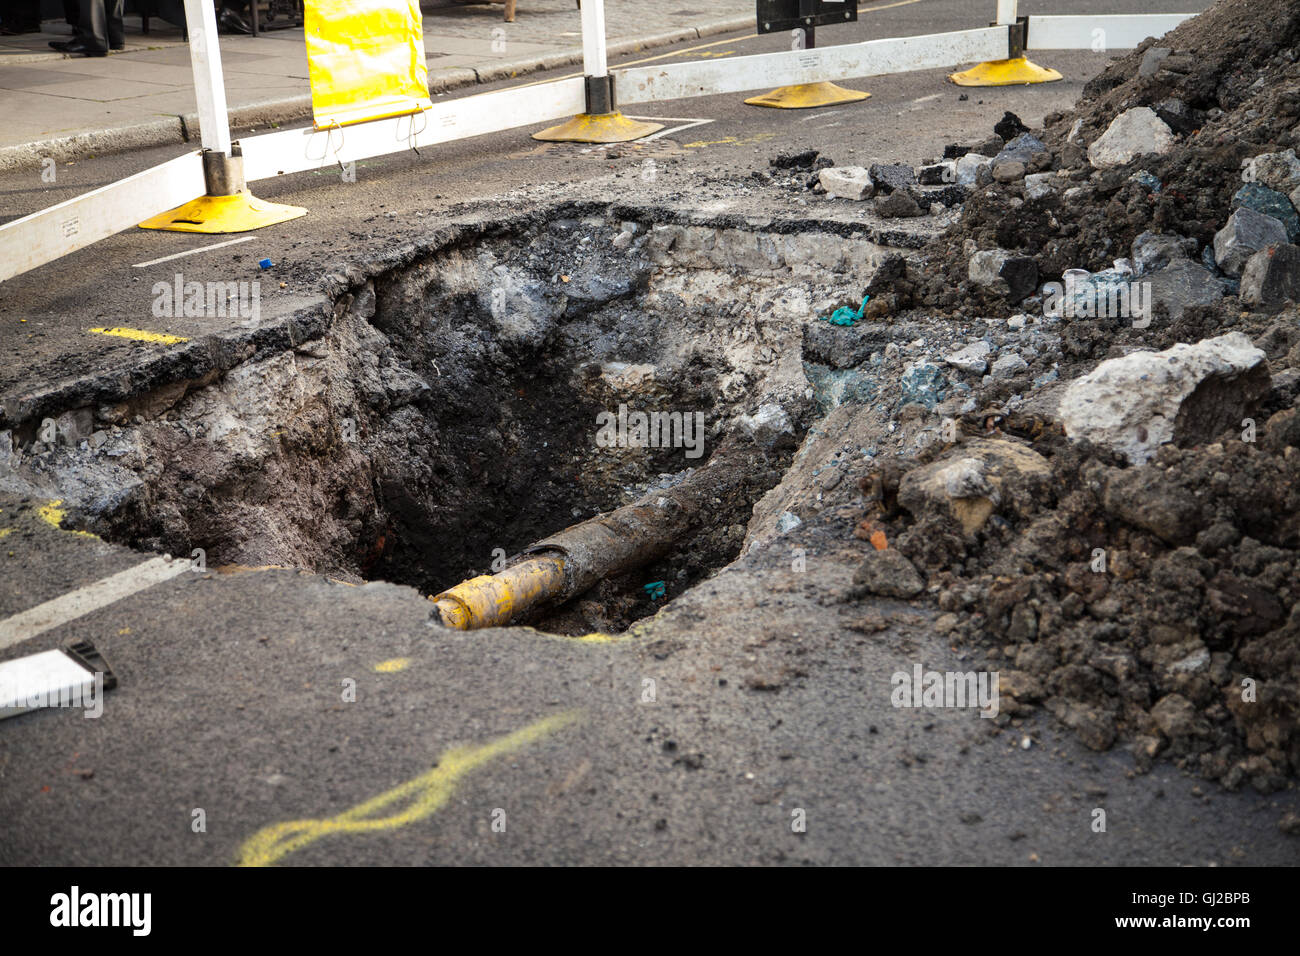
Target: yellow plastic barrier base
240,213
1017,72
806,96
598,128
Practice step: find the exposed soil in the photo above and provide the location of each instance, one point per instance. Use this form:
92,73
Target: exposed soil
1184,639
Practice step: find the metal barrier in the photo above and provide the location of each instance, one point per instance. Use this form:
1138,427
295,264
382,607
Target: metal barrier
219,170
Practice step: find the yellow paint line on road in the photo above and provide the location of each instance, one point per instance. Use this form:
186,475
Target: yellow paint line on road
53,513
730,141
393,666
141,335
423,796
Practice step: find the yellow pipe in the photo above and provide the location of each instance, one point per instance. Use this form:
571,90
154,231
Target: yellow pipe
490,600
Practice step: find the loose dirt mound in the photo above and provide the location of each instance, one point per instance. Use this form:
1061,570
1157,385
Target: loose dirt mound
1148,598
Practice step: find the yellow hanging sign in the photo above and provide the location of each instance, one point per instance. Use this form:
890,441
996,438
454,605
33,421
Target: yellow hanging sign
365,59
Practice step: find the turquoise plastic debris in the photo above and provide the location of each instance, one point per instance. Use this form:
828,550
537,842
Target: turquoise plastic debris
655,590
845,315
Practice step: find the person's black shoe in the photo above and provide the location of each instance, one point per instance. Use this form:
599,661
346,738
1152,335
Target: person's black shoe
79,48
232,22
62,45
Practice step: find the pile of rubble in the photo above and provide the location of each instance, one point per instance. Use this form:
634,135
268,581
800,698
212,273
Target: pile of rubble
1089,452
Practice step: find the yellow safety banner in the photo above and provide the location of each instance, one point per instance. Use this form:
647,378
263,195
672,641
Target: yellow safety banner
365,59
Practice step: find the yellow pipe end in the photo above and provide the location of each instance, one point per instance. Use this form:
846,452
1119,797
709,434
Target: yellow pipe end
490,600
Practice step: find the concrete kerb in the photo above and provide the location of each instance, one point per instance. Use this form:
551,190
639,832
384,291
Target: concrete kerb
185,128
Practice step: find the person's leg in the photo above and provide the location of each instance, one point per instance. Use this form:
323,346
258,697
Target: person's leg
71,13
116,29
93,28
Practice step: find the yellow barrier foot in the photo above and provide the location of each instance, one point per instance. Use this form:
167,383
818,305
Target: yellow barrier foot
241,212
1017,72
598,128
806,96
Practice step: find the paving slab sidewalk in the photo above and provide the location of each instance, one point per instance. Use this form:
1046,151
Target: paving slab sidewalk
64,107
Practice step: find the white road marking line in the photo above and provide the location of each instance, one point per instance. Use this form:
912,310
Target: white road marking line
819,115
190,252
68,607
687,123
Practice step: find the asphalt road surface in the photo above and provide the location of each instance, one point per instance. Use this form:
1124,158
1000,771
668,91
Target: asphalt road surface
275,715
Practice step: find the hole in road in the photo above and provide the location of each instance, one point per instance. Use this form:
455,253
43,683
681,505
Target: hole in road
484,396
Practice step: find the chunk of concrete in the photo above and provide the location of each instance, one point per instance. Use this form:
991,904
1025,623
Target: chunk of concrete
1038,185
1020,273
969,166
766,425
891,176
1246,232
1133,133
973,358
1269,202
1008,365
1271,277
847,182
1277,171
1022,149
976,479
1185,394
1183,284
985,266
1153,251
1008,171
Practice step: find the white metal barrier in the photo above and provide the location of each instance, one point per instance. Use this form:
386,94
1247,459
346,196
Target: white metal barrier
46,235
1120,32
871,58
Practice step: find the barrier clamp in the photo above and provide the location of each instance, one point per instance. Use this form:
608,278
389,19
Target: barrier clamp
1016,69
227,205
778,15
600,122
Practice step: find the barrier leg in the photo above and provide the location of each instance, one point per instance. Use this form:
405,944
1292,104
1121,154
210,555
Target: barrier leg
1016,70
228,206
806,96
602,122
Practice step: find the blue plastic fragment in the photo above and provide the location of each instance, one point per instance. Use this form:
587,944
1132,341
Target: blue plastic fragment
265,263
845,315
1146,179
655,590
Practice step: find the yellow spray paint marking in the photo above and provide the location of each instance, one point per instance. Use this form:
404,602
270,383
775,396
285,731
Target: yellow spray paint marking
140,335
53,515
393,666
595,637
729,141
423,795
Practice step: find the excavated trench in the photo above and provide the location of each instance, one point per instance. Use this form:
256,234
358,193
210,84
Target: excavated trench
483,396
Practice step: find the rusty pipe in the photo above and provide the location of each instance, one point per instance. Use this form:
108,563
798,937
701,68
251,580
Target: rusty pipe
566,564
